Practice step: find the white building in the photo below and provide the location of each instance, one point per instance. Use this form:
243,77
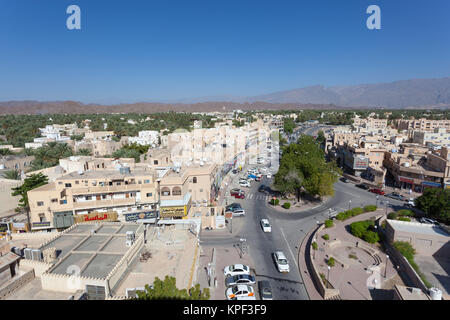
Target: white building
145,138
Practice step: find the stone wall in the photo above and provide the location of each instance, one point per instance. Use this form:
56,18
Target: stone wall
16,283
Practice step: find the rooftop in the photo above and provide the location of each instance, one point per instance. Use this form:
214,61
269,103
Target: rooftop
420,228
94,248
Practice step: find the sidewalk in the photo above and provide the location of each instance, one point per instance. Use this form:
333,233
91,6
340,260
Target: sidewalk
304,270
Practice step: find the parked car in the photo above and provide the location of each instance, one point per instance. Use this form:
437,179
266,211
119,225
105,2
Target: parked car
236,269
240,279
281,261
269,176
377,191
238,212
265,290
238,291
244,183
262,188
363,186
344,180
396,196
232,207
428,221
235,191
266,225
234,171
240,195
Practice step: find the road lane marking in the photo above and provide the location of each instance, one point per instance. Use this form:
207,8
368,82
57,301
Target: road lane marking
289,247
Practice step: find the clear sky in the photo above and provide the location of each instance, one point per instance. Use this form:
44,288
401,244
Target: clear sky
147,50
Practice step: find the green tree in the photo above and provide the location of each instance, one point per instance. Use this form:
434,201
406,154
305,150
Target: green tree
289,125
167,290
5,152
84,152
32,182
49,155
11,174
303,167
436,203
320,137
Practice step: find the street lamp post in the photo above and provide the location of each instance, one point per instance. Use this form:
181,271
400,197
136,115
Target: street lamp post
378,197
159,198
385,269
387,204
349,204
328,277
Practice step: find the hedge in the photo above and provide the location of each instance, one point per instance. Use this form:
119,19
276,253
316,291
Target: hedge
329,223
326,236
404,219
361,229
351,213
275,202
405,213
314,245
286,205
392,216
370,208
371,237
407,250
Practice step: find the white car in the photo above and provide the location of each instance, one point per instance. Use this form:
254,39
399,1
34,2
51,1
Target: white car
266,225
238,212
281,261
240,291
269,176
264,169
245,183
236,269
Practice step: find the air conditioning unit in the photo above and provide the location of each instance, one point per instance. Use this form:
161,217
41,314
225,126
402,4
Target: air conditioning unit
130,237
27,253
36,254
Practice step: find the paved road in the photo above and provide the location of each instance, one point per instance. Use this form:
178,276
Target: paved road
288,230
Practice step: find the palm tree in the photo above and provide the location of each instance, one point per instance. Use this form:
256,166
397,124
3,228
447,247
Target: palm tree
12,174
32,182
84,152
4,152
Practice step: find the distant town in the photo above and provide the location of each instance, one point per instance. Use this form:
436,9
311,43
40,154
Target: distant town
233,205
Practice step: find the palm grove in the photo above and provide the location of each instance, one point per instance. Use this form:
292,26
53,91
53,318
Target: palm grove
303,168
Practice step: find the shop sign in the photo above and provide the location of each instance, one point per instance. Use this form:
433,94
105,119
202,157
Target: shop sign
96,216
45,224
140,216
173,211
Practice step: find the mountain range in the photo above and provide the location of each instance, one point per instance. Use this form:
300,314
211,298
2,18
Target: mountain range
411,94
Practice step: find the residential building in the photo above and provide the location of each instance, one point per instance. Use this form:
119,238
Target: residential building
422,124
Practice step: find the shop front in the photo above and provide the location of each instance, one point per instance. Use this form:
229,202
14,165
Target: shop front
429,184
176,209
142,217
110,216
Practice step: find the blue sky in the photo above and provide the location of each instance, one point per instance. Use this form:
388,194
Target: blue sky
146,50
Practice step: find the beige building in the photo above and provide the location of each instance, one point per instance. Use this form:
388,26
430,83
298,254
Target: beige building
422,124
127,192
439,136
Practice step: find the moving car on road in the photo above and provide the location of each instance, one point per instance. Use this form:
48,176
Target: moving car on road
281,261
240,279
265,290
410,203
235,270
266,225
241,290
378,191
396,196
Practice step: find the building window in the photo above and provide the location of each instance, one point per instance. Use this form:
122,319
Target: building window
40,203
77,182
194,180
88,198
165,191
150,194
146,181
54,200
68,185
42,217
155,161
176,191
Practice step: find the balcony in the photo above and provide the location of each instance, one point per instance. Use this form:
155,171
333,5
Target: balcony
109,189
104,203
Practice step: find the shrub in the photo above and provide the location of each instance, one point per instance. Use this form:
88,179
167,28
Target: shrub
404,219
326,236
371,237
328,223
370,208
405,213
360,227
352,256
314,245
406,249
331,262
341,216
356,211
274,202
392,216
286,205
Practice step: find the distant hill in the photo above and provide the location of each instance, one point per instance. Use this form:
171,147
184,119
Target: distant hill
411,94
399,94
